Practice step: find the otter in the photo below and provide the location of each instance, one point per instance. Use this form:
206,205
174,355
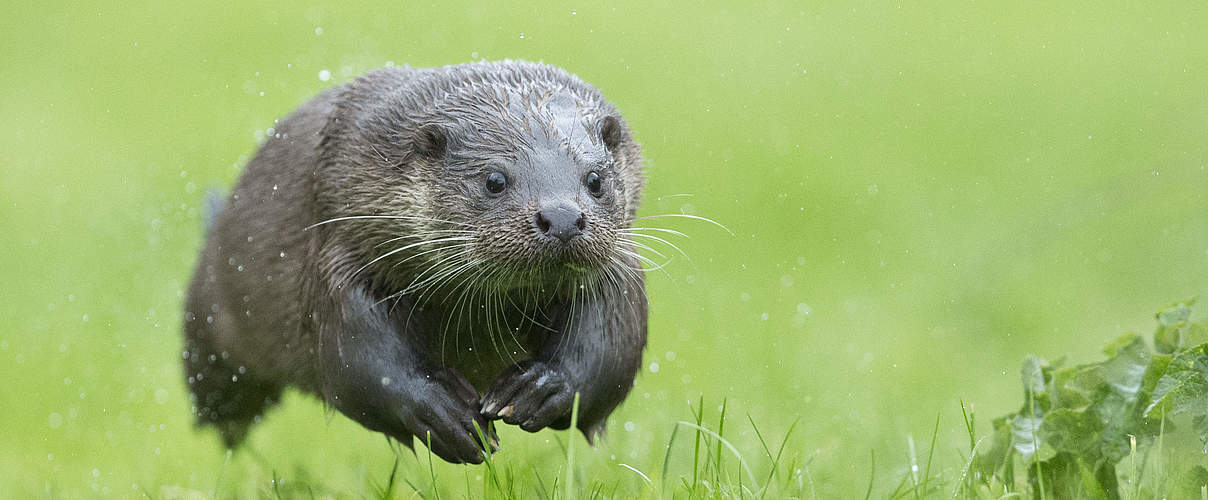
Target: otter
428,251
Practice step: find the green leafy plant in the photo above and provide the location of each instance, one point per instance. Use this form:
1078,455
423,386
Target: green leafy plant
1078,423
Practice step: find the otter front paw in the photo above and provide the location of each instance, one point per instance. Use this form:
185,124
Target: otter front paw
532,394
445,416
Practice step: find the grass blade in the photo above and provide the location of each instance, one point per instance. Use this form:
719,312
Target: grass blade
721,423
640,473
733,450
700,413
872,472
667,456
931,453
570,449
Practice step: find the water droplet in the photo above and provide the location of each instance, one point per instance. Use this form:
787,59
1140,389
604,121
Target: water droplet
318,30
324,75
56,420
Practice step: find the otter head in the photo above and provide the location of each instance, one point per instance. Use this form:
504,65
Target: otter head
542,183
493,175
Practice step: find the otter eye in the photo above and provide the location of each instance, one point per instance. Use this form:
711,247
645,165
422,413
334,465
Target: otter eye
592,181
496,182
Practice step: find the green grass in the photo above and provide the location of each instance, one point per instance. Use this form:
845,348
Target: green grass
921,195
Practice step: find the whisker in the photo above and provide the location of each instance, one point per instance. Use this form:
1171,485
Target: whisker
660,229
466,249
425,234
402,217
686,216
459,308
462,268
524,314
436,266
663,241
642,246
392,252
436,271
437,249
436,277
647,260
502,312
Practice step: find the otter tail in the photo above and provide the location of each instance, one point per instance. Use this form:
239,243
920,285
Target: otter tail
212,205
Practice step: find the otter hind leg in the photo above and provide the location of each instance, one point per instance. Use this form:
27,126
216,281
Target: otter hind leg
224,396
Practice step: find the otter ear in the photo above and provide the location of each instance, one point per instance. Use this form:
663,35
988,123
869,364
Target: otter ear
430,140
611,132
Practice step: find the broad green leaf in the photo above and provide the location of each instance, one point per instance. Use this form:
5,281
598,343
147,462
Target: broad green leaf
1124,371
1158,364
1027,441
1032,373
1189,482
1153,373
1174,332
1118,409
1090,483
1184,387
1200,424
1175,313
1078,421
1073,431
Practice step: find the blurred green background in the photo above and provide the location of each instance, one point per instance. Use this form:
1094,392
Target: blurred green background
920,195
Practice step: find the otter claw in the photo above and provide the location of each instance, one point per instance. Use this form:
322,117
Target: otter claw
532,395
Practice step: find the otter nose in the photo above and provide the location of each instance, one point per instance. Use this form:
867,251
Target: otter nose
561,221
